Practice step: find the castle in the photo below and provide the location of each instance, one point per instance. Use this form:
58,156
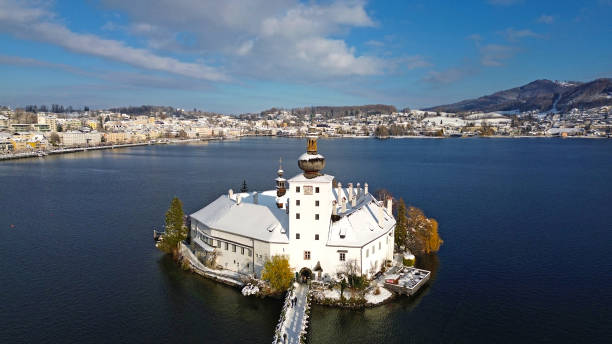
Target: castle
314,221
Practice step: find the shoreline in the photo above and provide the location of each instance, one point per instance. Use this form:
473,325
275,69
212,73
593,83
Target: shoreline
43,153
69,150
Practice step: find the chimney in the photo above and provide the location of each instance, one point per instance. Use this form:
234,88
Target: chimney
365,189
389,206
255,198
354,201
230,193
238,199
350,192
381,215
334,208
358,190
339,192
344,204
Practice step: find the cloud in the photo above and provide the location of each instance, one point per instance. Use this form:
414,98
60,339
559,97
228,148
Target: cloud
276,39
118,79
493,55
504,2
475,37
374,43
38,23
448,76
514,35
546,19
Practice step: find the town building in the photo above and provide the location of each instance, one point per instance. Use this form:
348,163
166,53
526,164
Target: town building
312,219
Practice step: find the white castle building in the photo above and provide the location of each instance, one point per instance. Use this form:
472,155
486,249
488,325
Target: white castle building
314,221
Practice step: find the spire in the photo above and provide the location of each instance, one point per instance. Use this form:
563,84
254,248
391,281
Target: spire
280,167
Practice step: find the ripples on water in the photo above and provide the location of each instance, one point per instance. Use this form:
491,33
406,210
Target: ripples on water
526,225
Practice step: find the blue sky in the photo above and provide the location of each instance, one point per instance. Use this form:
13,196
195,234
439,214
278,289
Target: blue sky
245,56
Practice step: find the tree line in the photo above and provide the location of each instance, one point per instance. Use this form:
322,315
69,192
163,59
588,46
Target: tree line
55,108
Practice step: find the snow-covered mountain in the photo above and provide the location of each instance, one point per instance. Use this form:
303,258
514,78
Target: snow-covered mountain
541,95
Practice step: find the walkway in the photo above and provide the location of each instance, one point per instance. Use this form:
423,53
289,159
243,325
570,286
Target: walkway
295,318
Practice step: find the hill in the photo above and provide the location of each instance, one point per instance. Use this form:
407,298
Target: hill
540,95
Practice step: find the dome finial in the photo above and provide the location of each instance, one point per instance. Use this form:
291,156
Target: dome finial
311,162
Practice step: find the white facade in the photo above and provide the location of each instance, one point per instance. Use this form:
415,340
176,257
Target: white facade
319,227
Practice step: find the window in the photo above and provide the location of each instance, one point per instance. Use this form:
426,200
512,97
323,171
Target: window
297,189
379,245
373,249
297,202
316,216
297,216
233,248
367,253
297,235
248,252
242,251
342,256
316,203
317,189
218,244
306,255
316,236
225,246
307,190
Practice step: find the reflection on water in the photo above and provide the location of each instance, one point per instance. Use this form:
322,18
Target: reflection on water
517,217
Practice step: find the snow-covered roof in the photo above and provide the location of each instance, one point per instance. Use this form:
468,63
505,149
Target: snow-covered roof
359,225
326,178
263,221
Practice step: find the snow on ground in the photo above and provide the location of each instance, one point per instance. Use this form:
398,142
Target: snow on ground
250,289
376,299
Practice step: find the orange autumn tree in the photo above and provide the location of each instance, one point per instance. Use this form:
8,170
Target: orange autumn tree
423,236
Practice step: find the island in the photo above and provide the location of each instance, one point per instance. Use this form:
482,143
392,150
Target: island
311,238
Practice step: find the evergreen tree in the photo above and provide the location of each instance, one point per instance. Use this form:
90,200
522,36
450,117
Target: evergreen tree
401,228
175,229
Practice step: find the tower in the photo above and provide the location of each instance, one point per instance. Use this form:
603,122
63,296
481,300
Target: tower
281,183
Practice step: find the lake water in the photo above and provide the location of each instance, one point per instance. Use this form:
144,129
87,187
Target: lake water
526,224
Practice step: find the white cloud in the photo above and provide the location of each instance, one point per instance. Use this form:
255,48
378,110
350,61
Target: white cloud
38,23
504,2
447,76
274,38
493,55
514,35
546,19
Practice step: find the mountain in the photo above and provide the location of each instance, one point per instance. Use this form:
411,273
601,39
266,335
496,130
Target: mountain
541,95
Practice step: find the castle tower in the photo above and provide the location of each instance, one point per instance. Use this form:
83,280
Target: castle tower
281,183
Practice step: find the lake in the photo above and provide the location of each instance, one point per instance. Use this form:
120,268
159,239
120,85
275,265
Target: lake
526,225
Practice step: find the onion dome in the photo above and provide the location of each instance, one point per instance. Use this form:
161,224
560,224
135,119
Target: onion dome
311,162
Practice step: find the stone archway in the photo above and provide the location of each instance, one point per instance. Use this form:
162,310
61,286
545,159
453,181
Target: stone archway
305,274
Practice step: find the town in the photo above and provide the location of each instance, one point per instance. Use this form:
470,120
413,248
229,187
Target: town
32,129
